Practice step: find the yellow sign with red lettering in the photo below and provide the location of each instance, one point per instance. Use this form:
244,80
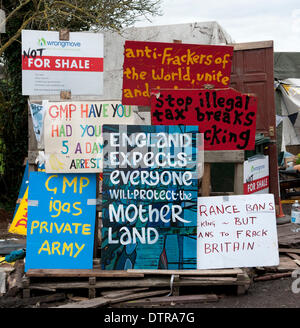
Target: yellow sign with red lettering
19,223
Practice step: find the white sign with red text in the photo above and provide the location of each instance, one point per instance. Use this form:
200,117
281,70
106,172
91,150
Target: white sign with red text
256,175
236,231
50,65
73,133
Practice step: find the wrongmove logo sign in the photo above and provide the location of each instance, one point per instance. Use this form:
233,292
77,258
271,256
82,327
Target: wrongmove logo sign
61,44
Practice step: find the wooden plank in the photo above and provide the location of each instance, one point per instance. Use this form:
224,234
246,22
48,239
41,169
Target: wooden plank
82,273
272,276
239,178
289,241
102,301
160,282
289,250
213,280
224,156
212,272
131,273
286,264
170,300
124,292
252,45
92,303
293,256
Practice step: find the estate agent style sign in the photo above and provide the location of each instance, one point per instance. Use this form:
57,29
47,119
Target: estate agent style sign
73,133
237,231
50,65
226,117
256,175
149,197
157,65
61,221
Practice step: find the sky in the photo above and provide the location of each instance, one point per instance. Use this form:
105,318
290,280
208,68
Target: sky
243,20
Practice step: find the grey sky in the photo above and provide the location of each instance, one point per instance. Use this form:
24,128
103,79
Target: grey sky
244,20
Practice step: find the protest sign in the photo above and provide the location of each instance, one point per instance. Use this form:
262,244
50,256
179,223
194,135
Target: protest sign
23,187
19,223
37,114
158,65
50,65
149,197
237,231
73,133
61,221
226,117
256,175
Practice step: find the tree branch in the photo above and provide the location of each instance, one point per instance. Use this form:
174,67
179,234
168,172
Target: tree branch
17,34
14,11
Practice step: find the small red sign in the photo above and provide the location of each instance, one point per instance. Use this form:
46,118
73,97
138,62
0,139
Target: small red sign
157,65
226,117
256,185
55,63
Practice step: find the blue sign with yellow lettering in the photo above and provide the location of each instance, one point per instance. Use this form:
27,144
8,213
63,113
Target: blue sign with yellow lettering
61,221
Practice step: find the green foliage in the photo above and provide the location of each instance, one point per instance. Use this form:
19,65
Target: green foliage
76,15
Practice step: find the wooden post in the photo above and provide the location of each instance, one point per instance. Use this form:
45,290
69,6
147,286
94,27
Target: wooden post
92,289
205,187
25,286
238,179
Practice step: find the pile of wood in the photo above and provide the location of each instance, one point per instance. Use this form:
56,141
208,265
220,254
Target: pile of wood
135,288
140,297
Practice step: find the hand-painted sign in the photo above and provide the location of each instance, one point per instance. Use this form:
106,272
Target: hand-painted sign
37,114
50,65
157,65
226,117
256,175
73,133
61,221
19,223
237,231
149,197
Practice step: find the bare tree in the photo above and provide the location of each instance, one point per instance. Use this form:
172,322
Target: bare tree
79,15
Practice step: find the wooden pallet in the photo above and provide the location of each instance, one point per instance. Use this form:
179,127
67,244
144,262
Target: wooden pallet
52,280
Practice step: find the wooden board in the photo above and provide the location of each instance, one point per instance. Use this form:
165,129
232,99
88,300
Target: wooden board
146,282
224,156
286,264
170,300
102,301
213,272
82,273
